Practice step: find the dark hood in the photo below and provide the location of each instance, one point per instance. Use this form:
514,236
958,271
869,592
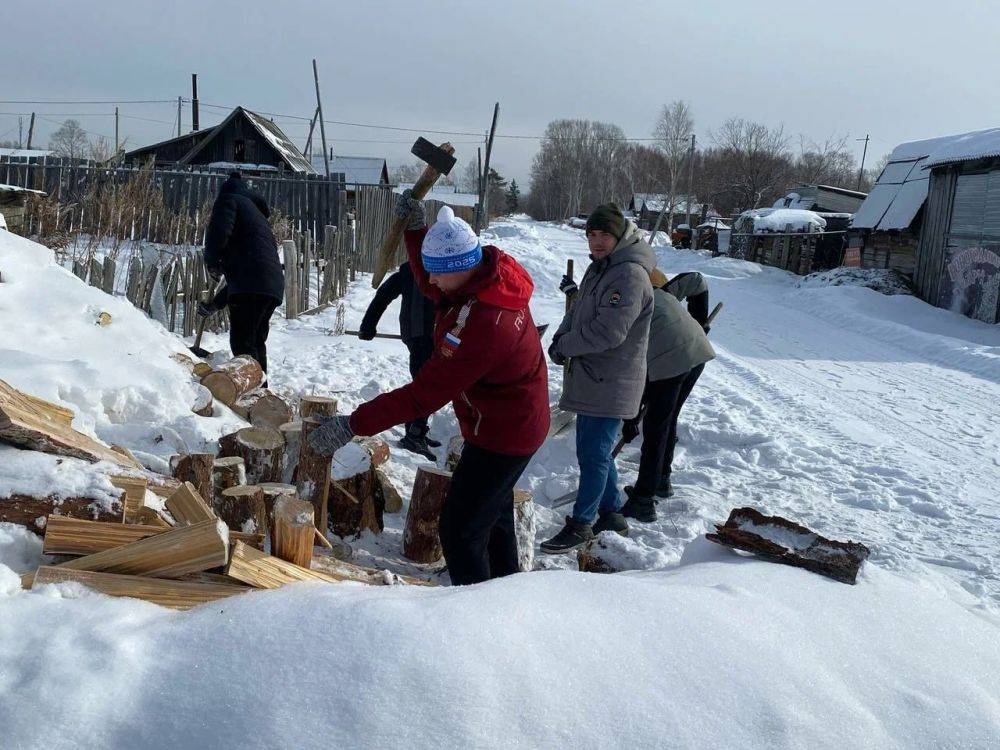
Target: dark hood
236,186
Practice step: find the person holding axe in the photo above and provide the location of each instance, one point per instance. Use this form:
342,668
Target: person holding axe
416,329
603,340
240,245
488,362
677,353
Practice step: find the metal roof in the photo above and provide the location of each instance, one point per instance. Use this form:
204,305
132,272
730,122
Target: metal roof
982,144
360,170
873,209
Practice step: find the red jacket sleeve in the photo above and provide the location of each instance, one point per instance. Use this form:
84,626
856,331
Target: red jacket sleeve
414,240
442,379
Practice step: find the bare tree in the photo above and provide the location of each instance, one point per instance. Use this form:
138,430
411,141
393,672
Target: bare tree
754,160
69,140
871,174
410,173
827,163
673,137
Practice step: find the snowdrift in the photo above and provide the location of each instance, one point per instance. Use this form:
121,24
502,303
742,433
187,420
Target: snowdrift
722,652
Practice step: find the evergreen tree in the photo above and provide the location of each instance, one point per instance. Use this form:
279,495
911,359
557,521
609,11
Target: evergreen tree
513,197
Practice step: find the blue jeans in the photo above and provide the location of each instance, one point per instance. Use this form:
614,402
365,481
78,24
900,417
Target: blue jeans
595,440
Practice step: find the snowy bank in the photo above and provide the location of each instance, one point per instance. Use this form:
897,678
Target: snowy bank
884,280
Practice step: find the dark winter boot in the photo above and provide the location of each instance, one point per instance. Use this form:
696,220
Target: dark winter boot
665,489
611,520
573,535
640,507
415,441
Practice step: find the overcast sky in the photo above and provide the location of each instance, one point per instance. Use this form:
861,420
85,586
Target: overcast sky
897,70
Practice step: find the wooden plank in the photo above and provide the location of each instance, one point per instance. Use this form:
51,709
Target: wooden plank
173,594
188,507
263,571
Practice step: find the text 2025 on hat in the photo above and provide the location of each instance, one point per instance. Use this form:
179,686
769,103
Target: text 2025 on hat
450,246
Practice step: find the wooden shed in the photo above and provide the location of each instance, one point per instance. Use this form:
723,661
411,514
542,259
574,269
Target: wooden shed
13,200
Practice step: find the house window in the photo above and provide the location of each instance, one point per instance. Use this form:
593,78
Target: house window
239,150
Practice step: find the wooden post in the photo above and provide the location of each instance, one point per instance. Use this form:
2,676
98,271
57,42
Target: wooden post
242,508
421,539
262,450
313,477
294,531
195,468
485,201
322,126
291,278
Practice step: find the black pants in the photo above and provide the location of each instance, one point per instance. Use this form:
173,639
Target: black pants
249,321
664,400
420,350
477,520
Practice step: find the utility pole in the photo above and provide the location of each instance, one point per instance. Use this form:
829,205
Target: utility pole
479,185
194,101
178,117
307,151
483,219
861,172
31,129
690,189
116,132
20,132
322,127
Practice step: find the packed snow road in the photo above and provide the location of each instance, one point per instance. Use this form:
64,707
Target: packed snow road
859,415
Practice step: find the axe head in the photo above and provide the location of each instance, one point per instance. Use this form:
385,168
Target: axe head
437,157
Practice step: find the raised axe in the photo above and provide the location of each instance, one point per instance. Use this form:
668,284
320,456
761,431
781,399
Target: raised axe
439,162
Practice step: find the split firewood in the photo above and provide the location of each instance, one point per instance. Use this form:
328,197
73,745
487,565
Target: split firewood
30,422
313,476
187,506
121,450
421,539
263,408
294,527
233,379
166,593
292,432
135,495
455,446
274,490
204,402
524,529
32,512
151,517
242,509
195,468
265,571
75,536
317,406
229,471
392,501
262,450
779,540
372,576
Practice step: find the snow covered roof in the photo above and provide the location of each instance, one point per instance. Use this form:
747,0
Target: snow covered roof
25,153
982,144
821,198
445,195
359,170
654,203
785,219
17,189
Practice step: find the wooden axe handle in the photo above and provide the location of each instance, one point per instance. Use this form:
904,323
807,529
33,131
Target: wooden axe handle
395,233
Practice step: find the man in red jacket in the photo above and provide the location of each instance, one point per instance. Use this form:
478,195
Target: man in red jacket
488,362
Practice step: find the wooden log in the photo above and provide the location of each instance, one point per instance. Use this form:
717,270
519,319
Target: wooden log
151,517
292,432
372,576
312,479
32,512
242,509
201,369
135,495
265,571
233,379
252,540
74,536
173,594
272,491
195,468
30,422
455,446
392,501
262,450
593,558
525,527
204,402
294,527
228,471
187,506
263,408
421,540
317,406
186,549
376,448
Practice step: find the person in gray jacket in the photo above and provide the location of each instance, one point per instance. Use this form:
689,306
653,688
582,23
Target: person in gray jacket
603,341
678,351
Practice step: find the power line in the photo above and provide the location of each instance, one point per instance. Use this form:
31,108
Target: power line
79,101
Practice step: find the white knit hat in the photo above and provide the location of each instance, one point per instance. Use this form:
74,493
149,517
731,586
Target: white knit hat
450,245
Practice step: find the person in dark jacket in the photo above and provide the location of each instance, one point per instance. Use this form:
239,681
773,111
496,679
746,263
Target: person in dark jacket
488,362
678,351
416,329
240,245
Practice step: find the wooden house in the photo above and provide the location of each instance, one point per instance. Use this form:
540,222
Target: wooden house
244,140
646,207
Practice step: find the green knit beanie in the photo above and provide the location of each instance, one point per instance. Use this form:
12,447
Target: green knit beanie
608,218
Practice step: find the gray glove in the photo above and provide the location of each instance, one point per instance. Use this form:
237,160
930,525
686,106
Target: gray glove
409,208
554,355
332,435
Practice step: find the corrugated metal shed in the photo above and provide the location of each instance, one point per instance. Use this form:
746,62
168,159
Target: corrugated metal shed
358,170
982,144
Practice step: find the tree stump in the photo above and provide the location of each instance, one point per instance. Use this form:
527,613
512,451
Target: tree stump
227,472
272,491
242,509
204,403
263,408
455,446
195,468
392,501
317,406
355,501
524,529
421,539
294,531
234,378
292,432
262,450
313,476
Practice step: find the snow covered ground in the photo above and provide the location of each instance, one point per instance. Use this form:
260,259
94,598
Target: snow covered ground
859,415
